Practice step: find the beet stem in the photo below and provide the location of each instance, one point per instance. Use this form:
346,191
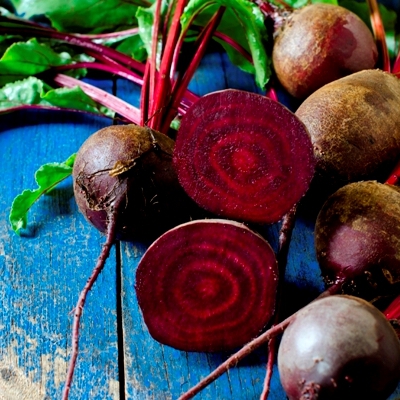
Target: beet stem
393,310
75,40
144,98
285,235
121,107
105,252
379,34
234,359
396,66
152,60
108,35
164,82
121,71
247,349
180,85
394,175
272,348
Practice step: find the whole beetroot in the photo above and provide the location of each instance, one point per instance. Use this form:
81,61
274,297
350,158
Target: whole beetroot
132,165
354,125
319,44
339,347
357,236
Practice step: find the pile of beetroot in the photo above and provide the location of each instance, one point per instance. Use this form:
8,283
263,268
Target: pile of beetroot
209,281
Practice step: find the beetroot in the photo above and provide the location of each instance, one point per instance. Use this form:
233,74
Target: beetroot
339,347
207,285
131,164
126,186
319,44
354,124
243,156
357,239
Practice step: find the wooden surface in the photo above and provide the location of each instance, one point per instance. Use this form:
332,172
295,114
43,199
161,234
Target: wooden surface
43,271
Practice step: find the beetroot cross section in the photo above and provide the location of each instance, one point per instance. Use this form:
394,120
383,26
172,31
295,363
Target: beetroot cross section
243,156
207,285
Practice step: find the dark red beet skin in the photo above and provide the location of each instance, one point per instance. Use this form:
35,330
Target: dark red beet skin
339,348
321,43
131,164
243,156
357,235
207,285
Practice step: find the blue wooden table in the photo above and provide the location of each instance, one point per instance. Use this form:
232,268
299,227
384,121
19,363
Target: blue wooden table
45,268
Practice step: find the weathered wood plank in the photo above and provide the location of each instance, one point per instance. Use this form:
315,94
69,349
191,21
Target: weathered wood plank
43,270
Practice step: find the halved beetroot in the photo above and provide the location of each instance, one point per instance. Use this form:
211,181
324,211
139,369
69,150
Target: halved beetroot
243,156
207,285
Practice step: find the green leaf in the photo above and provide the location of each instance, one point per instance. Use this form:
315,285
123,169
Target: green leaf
23,59
32,91
47,177
243,22
145,17
134,47
83,15
302,3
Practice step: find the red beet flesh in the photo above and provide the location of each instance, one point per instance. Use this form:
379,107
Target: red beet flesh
319,44
243,156
339,347
207,285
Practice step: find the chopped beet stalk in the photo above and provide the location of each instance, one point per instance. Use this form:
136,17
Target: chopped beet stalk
243,156
207,285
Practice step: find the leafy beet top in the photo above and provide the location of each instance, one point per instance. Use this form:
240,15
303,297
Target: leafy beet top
243,156
207,285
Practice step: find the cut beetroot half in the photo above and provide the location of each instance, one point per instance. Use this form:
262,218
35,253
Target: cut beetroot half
207,285
243,156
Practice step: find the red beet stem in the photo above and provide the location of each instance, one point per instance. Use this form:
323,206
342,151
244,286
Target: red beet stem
152,61
285,235
108,35
79,42
121,107
121,71
393,310
246,350
179,44
379,34
394,175
233,360
144,98
272,351
105,252
237,46
180,85
271,94
396,66
160,95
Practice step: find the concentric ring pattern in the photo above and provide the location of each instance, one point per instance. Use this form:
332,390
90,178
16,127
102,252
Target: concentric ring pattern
243,156
207,285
